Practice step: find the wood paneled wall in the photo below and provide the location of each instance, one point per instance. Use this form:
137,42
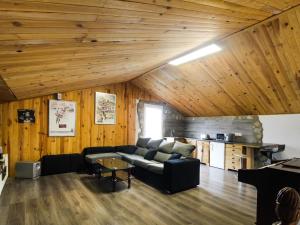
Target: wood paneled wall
30,141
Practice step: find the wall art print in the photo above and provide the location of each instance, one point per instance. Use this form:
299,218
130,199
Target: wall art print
105,108
62,118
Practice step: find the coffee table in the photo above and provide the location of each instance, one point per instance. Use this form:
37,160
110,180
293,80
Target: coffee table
113,165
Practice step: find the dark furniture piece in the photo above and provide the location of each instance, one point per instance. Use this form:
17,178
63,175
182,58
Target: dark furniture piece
268,181
113,165
65,163
170,176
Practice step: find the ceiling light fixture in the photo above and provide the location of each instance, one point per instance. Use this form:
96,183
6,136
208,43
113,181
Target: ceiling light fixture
208,50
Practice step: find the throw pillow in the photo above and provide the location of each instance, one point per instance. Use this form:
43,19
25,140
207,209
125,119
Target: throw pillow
141,151
183,149
150,154
175,156
142,142
162,157
154,144
166,147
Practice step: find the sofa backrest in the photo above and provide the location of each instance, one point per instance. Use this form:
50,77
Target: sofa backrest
130,149
95,150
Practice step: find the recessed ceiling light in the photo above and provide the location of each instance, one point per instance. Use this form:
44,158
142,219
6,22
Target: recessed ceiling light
210,49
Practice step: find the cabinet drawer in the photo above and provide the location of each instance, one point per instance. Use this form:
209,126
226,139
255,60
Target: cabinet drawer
233,166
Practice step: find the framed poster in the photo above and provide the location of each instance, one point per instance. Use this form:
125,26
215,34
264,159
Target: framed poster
62,118
26,116
105,108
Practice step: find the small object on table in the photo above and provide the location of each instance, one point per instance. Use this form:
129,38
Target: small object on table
113,165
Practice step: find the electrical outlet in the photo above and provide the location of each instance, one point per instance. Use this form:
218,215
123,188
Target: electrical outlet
238,134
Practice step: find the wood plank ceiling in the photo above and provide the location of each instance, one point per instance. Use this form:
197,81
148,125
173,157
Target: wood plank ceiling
49,46
258,72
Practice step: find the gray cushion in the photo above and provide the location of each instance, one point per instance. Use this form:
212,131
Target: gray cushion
93,157
161,156
131,158
183,149
142,163
142,142
154,144
141,151
166,147
157,168
123,153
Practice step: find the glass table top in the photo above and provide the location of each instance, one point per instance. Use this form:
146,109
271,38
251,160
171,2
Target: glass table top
114,163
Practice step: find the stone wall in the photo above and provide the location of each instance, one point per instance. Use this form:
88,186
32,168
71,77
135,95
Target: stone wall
176,125
249,126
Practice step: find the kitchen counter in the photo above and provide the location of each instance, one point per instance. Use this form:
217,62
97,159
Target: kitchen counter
249,145
252,145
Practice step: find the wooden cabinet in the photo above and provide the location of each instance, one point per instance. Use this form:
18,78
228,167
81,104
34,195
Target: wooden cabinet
203,151
239,156
234,157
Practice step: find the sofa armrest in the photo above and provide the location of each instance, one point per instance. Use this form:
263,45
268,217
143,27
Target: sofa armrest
181,174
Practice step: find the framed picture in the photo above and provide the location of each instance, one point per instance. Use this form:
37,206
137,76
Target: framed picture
105,108
26,116
62,118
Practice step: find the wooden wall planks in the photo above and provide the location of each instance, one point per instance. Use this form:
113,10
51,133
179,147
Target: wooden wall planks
29,141
256,73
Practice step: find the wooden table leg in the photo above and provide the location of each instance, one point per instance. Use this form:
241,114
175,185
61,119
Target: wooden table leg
114,180
100,175
129,178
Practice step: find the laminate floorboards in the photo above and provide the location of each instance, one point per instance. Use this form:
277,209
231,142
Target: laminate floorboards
77,199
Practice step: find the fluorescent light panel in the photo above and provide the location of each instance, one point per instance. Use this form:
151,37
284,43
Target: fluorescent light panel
208,50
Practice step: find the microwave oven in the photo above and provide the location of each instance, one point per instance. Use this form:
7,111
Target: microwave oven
220,137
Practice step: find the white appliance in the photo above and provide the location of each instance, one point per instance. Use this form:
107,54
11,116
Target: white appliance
217,155
4,171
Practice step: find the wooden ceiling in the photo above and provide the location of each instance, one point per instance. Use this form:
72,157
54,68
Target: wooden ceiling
5,93
49,46
258,72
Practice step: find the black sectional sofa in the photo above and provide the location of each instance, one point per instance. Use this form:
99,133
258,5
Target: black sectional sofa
168,166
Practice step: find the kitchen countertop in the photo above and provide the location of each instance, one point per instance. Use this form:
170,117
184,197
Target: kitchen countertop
254,145
250,145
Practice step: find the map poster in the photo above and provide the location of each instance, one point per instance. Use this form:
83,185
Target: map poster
105,108
62,118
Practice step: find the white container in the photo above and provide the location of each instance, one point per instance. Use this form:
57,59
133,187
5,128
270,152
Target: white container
217,155
4,178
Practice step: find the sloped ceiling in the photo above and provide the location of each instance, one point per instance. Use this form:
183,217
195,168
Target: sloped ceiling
5,93
49,46
258,72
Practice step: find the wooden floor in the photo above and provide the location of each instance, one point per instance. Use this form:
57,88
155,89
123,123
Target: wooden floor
78,199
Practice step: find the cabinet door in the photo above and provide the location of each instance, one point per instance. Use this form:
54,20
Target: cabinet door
200,151
217,155
203,151
206,150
